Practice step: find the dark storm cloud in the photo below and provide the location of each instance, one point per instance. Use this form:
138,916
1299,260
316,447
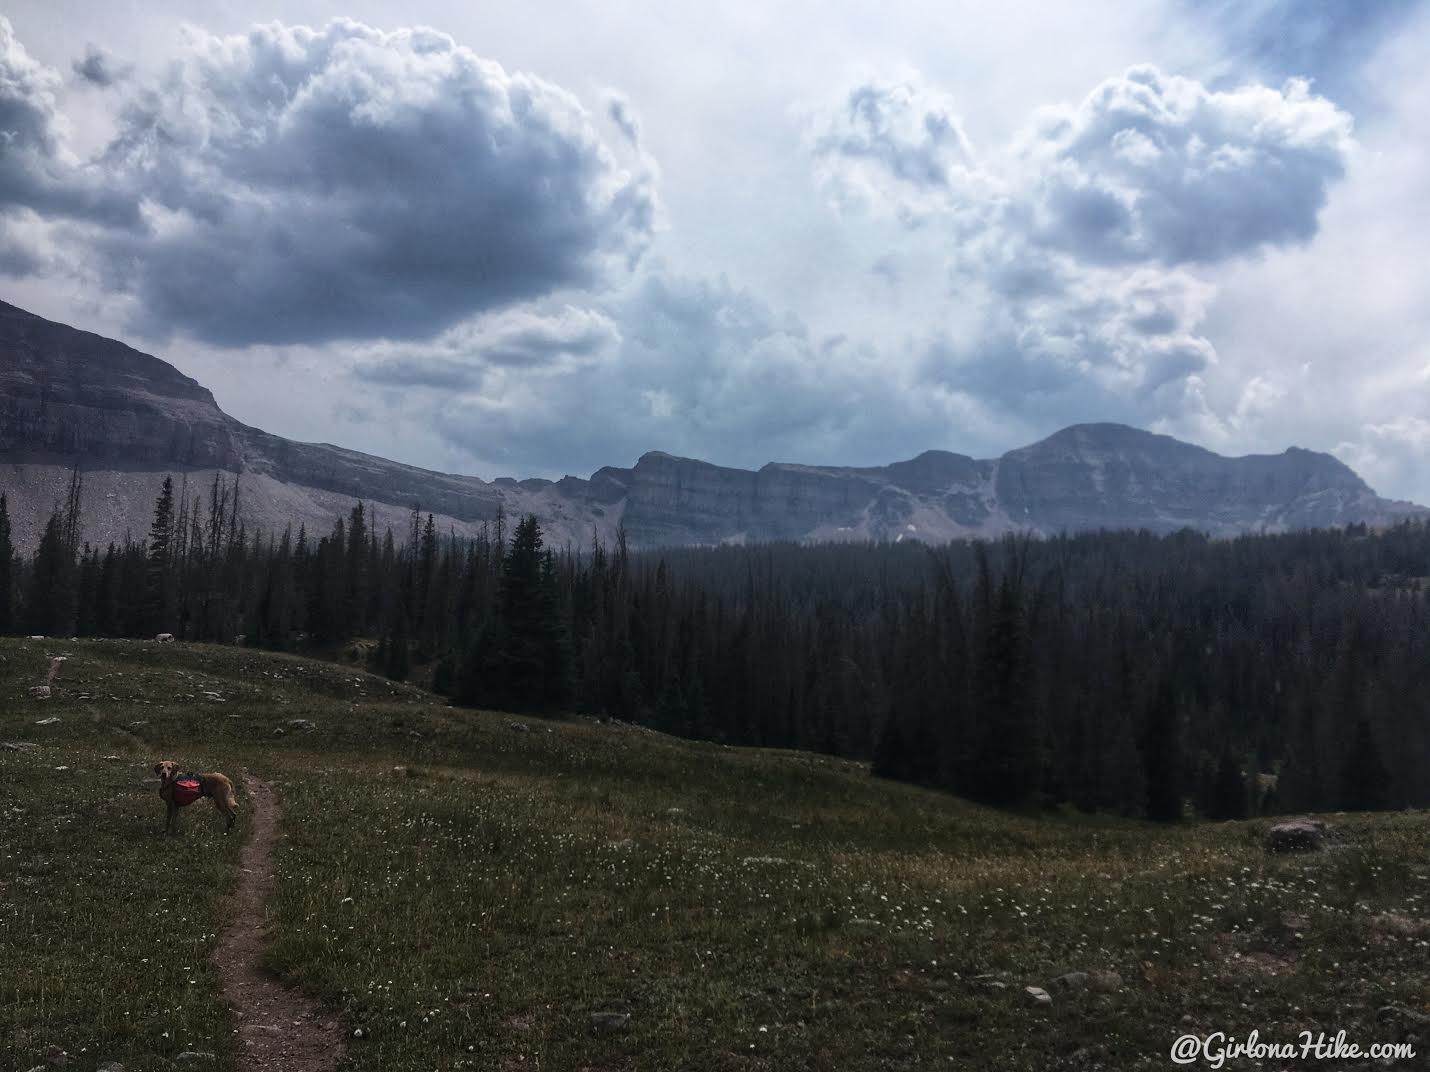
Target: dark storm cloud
99,68
310,185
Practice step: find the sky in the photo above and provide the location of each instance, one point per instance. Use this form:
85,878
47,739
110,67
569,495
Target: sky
534,239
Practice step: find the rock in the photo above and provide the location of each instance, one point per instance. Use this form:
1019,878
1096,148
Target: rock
1105,981
995,984
278,731
110,1066
1076,980
166,638
1037,996
1296,835
610,1021
307,725
357,1033
194,1055
17,746
518,727
52,721
133,408
40,692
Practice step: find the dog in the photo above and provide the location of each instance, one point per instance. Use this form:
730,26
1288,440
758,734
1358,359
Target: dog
176,794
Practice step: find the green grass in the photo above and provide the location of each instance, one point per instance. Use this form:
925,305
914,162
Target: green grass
467,895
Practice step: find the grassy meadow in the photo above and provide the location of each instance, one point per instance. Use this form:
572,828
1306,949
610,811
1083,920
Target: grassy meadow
470,894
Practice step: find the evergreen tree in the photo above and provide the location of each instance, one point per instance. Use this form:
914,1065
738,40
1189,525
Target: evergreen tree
7,570
1228,789
396,662
160,596
1365,782
52,596
1008,761
1163,753
522,666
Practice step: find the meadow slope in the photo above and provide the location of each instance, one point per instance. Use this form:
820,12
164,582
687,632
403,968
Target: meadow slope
469,890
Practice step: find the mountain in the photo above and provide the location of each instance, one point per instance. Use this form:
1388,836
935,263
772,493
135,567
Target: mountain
128,419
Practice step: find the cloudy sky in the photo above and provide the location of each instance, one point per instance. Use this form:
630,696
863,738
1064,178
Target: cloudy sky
533,239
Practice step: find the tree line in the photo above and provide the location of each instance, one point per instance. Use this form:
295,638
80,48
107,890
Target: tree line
1151,676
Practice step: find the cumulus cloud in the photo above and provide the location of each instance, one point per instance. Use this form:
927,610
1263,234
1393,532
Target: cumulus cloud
1084,242
37,174
897,147
305,185
1153,167
700,367
518,339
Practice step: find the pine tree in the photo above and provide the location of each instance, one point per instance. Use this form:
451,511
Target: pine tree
160,596
7,570
396,664
358,571
1228,789
520,665
1009,750
1365,781
51,600
1163,753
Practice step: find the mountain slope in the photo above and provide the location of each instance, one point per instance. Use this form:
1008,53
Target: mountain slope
129,419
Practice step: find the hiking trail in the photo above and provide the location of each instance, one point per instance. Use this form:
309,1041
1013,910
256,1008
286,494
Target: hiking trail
279,1029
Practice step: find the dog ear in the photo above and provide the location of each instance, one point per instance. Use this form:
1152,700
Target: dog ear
159,768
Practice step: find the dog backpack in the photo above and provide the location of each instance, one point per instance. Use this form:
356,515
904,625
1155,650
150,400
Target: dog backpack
187,790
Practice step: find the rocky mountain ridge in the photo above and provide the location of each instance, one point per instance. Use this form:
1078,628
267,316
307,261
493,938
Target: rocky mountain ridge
128,419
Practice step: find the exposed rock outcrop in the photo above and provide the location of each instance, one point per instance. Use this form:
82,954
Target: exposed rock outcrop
129,419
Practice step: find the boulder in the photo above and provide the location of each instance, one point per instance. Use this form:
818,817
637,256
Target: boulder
1076,980
1037,996
1105,981
518,727
610,1021
1296,835
165,638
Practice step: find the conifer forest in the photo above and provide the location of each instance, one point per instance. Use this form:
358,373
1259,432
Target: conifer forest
1142,675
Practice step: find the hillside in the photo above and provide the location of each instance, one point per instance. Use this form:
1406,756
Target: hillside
129,419
471,892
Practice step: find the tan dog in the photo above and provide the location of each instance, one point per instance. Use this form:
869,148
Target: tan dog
212,784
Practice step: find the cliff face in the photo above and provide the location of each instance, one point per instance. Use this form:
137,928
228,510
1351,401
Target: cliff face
76,394
128,419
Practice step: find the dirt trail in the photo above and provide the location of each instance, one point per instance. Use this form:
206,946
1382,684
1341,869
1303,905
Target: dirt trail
279,1029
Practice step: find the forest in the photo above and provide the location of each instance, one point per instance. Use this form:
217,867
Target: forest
1161,677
